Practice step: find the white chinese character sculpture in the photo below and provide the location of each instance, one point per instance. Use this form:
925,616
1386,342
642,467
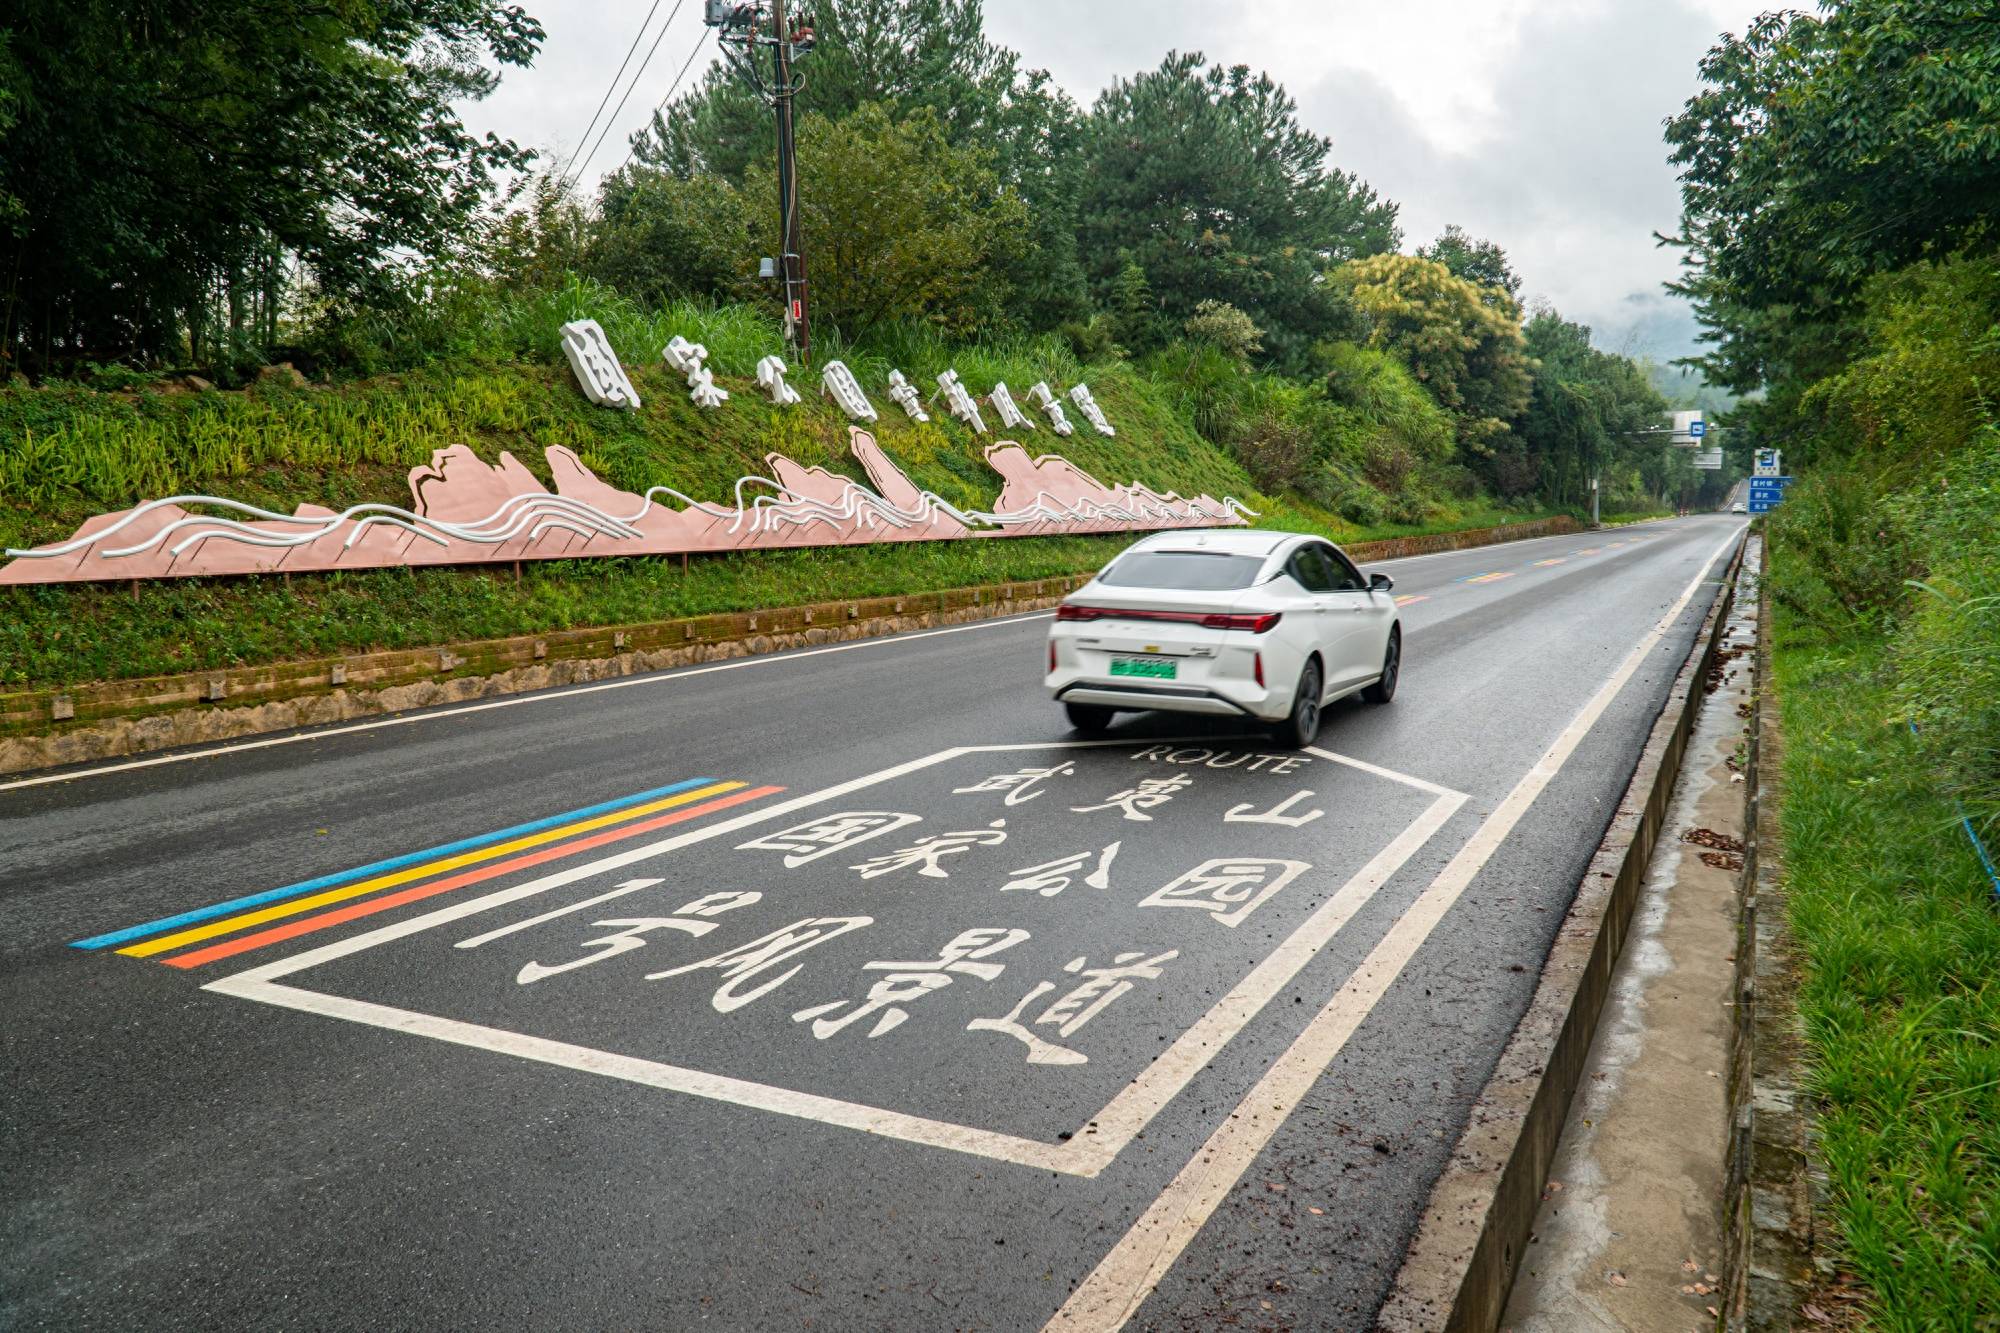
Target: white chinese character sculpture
1003,403
904,394
1092,413
701,388
596,365
838,383
683,357
1043,397
960,402
687,358
771,379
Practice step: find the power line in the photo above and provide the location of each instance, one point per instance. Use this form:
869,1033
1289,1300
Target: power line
640,74
637,37
685,65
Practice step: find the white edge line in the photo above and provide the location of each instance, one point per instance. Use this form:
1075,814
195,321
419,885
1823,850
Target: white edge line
1129,1272
1086,1153
646,678
1147,1095
513,701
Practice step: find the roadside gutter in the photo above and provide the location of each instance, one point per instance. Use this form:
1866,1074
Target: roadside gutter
1460,1266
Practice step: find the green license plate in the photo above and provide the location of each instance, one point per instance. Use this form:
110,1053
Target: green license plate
1150,668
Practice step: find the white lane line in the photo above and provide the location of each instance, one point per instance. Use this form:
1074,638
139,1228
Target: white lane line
515,701
1128,1274
627,682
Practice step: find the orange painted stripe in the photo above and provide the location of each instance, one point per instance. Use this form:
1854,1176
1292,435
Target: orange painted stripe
1408,599
383,902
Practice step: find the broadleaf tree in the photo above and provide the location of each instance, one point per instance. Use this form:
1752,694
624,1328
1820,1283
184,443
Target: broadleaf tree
174,161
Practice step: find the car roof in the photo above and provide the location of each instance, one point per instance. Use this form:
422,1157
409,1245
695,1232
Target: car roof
1235,541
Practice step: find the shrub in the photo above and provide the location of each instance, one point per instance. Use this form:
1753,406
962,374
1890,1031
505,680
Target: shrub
1947,655
1222,324
1278,453
1203,382
1092,340
1839,559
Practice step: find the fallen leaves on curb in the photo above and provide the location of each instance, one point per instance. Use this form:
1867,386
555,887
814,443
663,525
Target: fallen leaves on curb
1708,837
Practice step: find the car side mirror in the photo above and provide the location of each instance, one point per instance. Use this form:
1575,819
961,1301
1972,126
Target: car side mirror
1380,583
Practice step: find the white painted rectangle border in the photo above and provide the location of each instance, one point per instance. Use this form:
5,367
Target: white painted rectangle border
1088,1151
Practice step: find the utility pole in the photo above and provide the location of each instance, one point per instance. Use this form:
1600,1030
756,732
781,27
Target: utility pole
787,43
791,252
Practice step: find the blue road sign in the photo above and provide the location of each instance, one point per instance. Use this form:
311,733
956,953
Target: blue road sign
1697,429
1760,491
1762,506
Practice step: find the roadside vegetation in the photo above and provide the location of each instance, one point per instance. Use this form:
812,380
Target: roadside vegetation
1853,293
1248,313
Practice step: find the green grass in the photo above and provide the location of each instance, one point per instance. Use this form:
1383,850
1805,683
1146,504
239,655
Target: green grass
1899,941
67,453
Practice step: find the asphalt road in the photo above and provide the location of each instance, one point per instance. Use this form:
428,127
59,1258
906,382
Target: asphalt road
850,1021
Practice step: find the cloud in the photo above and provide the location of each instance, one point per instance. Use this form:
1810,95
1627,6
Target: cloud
1570,178
1534,123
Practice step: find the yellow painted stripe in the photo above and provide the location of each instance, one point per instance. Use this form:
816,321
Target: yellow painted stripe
244,921
1489,578
1544,564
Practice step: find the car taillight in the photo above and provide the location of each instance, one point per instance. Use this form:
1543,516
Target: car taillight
1254,624
1257,667
1052,654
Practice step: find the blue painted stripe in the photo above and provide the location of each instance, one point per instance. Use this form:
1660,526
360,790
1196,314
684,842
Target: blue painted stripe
361,872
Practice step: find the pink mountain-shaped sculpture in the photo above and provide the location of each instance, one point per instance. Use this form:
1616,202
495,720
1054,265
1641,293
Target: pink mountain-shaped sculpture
1051,494
465,511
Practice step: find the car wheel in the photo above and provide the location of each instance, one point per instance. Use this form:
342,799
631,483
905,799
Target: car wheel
1383,690
1090,719
1302,727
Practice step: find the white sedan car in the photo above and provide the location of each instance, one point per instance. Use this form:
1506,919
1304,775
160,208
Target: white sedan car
1264,625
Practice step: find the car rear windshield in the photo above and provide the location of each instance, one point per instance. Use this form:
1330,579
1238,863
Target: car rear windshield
1187,571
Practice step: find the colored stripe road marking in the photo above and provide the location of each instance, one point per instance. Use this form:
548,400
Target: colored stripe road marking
383,902
1589,550
1544,564
425,871
374,867
1492,578
1408,598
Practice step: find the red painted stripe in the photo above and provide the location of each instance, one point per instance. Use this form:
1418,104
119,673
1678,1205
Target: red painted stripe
417,893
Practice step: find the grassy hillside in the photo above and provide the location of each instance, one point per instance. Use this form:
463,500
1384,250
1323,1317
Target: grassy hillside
67,452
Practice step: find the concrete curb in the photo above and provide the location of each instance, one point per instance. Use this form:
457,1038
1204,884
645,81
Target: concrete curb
1460,1266
80,724
1770,1188
133,717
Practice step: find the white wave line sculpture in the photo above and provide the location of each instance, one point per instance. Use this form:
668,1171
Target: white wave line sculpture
501,512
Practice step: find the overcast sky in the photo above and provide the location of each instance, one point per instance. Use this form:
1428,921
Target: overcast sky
1535,123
